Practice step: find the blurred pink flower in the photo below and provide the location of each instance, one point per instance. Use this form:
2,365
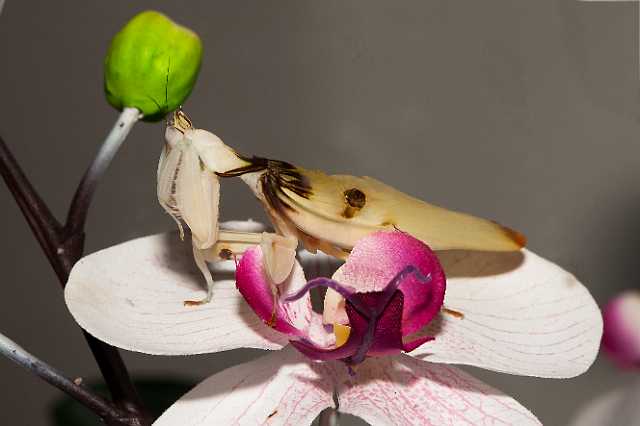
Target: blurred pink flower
621,337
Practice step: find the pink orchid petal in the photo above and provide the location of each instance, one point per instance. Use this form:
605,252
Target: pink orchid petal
279,389
378,257
521,315
618,407
321,353
254,284
374,318
400,391
131,296
621,337
296,319
387,338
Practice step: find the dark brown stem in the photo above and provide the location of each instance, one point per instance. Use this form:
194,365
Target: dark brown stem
64,246
94,402
44,226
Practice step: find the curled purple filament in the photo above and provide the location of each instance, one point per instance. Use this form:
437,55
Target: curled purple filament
371,313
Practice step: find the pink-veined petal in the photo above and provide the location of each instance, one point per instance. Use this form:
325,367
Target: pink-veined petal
400,391
131,296
521,314
278,389
378,257
621,337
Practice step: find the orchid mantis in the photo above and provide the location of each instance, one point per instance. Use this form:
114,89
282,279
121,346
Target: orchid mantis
325,212
189,190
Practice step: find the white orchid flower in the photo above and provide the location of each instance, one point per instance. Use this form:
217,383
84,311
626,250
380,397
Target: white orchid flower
386,345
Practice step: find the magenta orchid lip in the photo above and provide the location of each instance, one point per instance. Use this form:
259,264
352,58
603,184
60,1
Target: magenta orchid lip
621,338
382,301
378,317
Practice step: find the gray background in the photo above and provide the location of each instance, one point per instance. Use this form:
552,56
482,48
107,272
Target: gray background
523,112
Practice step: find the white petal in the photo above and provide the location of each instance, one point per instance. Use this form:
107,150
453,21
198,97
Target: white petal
618,407
279,389
198,197
522,315
131,296
401,390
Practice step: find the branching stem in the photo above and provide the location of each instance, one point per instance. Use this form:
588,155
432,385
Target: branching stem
64,246
94,402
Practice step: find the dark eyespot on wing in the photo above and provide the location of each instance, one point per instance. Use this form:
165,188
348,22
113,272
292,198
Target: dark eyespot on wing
354,200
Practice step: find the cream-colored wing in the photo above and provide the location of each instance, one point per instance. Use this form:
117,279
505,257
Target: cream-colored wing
341,209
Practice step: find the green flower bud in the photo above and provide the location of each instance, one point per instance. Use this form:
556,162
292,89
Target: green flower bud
152,65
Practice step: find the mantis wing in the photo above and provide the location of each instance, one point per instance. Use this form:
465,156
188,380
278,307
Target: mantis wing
342,209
